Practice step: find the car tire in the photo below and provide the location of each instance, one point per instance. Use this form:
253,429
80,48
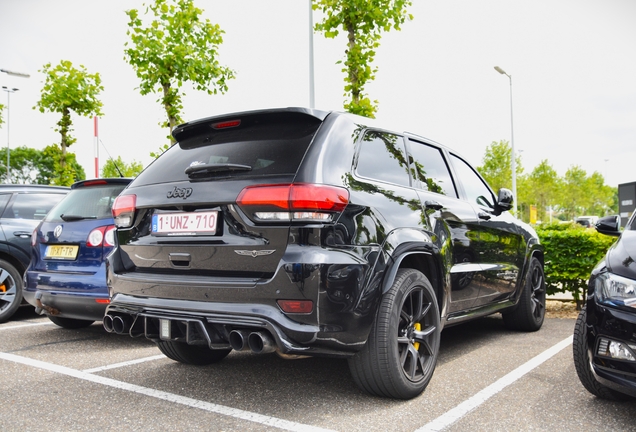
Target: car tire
583,366
10,290
529,313
70,323
191,354
400,355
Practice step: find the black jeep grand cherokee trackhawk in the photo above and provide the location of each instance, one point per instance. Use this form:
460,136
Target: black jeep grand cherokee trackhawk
317,233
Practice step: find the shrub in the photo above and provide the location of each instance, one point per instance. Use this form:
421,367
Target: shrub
571,252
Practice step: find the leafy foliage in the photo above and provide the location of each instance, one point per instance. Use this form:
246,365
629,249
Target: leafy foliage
119,168
174,47
51,171
32,166
1,118
571,253
69,90
362,21
496,166
573,195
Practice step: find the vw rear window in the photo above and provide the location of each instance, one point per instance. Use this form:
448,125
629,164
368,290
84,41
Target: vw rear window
269,147
93,202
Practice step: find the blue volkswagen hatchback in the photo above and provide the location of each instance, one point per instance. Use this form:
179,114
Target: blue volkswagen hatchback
66,279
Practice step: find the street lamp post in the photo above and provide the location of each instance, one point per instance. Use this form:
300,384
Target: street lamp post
9,91
512,144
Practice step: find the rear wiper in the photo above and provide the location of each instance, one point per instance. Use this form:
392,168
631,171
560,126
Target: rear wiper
192,171
72,217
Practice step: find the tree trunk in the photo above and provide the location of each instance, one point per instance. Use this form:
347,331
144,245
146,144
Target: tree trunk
167,105
65,123
353,66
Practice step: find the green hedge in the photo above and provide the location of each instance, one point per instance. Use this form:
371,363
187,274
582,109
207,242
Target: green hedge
571,252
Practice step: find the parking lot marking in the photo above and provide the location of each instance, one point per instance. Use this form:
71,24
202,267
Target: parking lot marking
158,394
470,404
26,325
124,364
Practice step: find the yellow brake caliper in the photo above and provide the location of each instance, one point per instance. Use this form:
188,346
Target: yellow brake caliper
417,327
3,288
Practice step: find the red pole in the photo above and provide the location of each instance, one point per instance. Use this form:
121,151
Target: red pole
96,139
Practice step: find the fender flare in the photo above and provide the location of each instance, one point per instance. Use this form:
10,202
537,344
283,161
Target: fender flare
410,249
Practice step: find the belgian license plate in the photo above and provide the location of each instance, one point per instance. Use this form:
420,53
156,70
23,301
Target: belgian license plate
65,252
184,223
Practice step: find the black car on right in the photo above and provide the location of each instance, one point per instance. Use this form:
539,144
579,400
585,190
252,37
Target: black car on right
605,333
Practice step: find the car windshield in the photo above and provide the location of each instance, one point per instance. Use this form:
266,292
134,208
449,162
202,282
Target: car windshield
93,202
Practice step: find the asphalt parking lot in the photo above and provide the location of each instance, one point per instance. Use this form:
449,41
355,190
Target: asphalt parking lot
487,378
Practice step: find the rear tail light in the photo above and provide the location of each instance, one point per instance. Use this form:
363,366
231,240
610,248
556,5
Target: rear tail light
124,210
101,236
293,202
95,237
109,236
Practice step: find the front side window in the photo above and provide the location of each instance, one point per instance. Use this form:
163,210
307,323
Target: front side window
477,192
382,157
430,169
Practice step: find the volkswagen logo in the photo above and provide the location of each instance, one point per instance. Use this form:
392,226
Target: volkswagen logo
57,232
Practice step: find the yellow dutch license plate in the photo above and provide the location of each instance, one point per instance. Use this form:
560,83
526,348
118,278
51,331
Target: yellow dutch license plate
66,252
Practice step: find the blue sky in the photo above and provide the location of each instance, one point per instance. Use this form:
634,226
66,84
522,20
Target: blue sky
573,65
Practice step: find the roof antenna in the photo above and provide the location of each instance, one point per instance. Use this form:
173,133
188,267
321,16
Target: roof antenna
111,158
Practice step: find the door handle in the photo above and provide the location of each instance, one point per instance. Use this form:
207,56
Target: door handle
483,216
22,234
433,205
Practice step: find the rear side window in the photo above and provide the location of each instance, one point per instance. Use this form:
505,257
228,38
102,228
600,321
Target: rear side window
382,157
258,146
94,202
32,206
430,169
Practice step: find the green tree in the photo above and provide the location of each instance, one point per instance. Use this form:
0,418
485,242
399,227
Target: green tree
175,47
496,166
542,189
362,21
24,165
69,90
1,118
33,166
51,172
119,168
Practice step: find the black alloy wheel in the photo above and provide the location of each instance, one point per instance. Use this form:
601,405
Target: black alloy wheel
10,290
529,313
400,355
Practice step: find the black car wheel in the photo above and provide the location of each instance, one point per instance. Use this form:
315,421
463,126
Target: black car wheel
10,290
191,354
530,311
583,366
70,323
400,355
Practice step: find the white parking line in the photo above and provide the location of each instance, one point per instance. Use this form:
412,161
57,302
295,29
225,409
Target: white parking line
124,364
25,325
170,397
470,404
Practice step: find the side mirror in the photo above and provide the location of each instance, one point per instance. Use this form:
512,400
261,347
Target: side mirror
504,199
609,225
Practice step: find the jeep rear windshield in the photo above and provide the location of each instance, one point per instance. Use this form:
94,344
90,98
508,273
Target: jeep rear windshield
247,147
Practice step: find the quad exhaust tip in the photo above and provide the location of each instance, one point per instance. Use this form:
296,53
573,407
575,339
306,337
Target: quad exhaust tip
116,324
256,341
